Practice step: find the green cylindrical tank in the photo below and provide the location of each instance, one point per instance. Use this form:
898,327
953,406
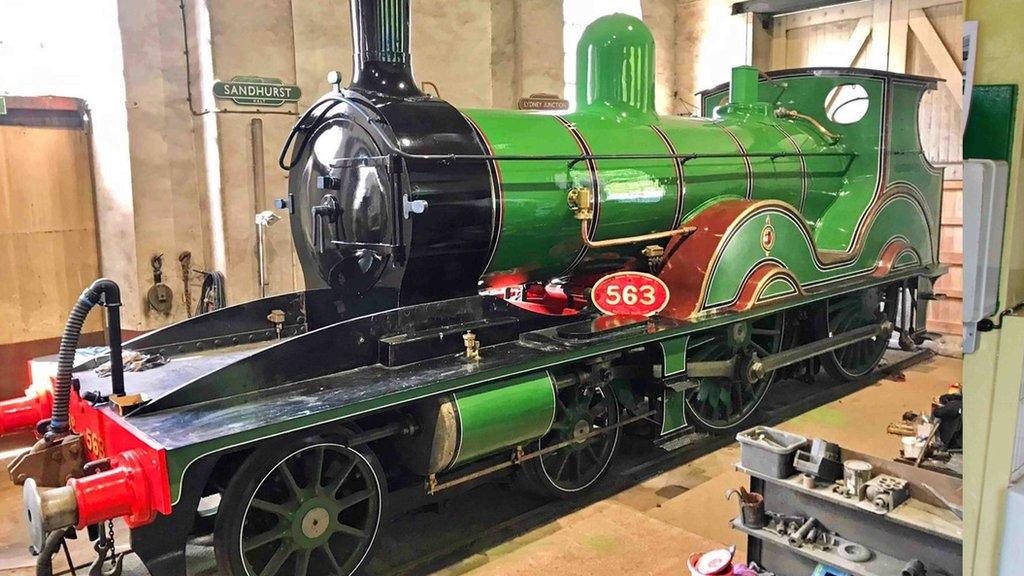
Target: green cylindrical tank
458,428
539,237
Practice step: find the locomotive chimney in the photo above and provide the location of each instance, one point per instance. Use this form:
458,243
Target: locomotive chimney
380,38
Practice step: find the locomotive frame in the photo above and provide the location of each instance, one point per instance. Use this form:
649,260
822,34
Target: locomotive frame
446,333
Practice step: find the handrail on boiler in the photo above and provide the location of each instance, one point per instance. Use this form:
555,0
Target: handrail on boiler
572,159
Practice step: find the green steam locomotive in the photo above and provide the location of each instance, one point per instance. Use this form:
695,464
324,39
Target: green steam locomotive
493,291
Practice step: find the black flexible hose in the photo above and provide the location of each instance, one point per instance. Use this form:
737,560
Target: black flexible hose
107,291
44,564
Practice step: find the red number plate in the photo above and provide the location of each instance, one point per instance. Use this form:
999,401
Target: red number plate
630,294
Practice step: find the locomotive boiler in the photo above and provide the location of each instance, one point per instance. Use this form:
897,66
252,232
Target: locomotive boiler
499,292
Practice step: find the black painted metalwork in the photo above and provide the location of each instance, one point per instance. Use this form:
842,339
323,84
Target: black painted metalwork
380,42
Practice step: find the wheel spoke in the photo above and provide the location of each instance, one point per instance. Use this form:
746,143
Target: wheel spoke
316,472
274,564
302,563
761,351
289,480
276,533
330,557
331,490
561,467
561,405
350,531
353,499
279,509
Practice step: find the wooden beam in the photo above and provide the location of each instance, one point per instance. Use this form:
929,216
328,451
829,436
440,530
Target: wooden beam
759,41
828,15
879,56
922,4
948,68
899,14
855,45
778,48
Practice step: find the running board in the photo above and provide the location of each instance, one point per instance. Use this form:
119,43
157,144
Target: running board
756,368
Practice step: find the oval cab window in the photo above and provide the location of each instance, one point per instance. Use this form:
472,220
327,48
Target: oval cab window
847,103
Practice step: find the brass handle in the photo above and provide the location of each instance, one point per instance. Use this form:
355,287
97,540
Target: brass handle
581,202
585,236
832,137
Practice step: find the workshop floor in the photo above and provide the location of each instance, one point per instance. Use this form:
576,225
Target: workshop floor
649,528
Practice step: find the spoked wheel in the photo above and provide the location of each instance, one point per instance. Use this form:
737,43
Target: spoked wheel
722,405
312,509
848,312
571,469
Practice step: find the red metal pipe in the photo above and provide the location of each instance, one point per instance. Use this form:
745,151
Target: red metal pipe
25,412
121,491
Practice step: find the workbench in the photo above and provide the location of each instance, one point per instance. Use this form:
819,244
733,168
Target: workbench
922,528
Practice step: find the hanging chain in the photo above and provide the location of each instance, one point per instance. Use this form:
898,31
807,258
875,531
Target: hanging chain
105,550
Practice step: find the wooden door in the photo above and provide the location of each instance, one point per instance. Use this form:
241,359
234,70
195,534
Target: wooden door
48,239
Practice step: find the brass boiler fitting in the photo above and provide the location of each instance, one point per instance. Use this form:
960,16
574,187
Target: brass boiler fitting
472,346
832,137
581,202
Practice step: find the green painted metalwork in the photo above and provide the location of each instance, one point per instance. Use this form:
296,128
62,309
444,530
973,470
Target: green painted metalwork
539,236
989,132
777,288
179,460
841,204
743,88
504,413
673,410
674,355
615,69
794,250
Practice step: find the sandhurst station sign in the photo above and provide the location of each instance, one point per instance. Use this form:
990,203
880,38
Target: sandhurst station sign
256,91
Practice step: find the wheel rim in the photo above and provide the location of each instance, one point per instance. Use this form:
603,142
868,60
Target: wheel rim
315,513
722,403
580,411
848,312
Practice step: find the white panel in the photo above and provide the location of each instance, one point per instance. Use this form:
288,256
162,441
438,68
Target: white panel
1012,555
985,185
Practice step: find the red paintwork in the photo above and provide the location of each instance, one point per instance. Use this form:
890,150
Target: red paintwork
888,257
137,485
124,490
630,294
25,412
548,300
750,293
688,259
605,323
